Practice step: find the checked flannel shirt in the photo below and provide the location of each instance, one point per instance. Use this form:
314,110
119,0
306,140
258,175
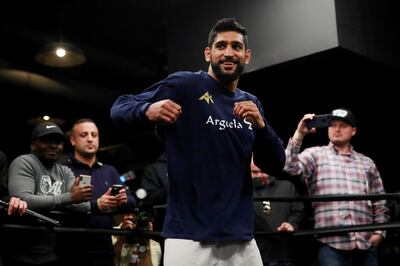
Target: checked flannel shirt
325,171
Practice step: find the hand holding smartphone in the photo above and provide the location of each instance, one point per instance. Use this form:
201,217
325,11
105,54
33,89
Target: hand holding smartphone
319,121
115,189
84,180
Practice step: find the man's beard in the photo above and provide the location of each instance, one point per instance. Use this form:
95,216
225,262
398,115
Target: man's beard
46,159
227,78
87,154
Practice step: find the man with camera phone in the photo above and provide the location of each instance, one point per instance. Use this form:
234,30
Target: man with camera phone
94,249
138,250
337,168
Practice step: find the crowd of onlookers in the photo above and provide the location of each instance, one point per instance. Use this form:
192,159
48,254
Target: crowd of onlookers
220,151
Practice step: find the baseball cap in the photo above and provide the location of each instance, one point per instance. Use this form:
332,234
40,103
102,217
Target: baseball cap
345,115
46,128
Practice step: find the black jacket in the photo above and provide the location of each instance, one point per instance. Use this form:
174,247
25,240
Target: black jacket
276,248
155,181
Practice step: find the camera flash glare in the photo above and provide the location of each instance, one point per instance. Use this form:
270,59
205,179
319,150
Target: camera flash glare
141,193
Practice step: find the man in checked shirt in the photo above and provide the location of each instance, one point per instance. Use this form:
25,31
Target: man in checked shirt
338,169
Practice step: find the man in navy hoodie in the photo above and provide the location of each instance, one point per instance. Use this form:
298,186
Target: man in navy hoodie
213,128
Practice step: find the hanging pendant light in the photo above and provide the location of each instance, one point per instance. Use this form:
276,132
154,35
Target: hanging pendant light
60,55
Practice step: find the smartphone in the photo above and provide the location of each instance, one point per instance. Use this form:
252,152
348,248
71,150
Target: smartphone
319,121
84,180
116,188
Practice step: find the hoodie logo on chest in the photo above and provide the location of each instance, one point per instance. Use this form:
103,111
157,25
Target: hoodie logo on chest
48,187
206,97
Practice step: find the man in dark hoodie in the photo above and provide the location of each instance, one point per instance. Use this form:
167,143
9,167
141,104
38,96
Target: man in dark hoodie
213,127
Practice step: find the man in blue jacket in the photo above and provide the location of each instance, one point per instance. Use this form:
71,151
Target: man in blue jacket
213,129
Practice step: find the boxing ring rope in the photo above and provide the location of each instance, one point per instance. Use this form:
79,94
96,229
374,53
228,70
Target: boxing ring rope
151,234
333,197
306,232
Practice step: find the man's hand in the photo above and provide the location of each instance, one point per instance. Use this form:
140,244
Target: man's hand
285,227
107,202
375,240
302,129
16,205
249,110
129,221
81,193
165,111
122,197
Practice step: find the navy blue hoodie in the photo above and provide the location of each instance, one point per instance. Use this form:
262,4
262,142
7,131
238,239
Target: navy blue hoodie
209,152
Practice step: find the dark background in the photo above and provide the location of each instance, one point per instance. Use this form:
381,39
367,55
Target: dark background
308,56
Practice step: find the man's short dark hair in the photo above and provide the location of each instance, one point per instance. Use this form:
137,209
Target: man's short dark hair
83,120
227,24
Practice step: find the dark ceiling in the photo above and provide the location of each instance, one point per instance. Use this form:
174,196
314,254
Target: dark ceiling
124,42
125,46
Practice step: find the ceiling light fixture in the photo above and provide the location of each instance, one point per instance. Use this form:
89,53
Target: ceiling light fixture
60,55
40,119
